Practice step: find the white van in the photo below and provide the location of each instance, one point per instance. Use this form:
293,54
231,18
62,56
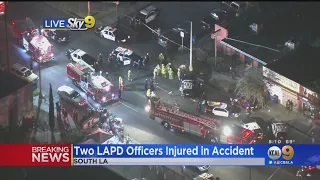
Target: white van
24,73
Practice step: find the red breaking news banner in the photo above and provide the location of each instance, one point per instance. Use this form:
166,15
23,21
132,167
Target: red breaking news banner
35,155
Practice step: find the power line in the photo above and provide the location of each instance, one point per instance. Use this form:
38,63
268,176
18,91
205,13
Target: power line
257,45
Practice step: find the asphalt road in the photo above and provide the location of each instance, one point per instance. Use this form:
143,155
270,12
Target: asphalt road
131,109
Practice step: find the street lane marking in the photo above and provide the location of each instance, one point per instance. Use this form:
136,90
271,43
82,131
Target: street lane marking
162,89
274,173
128,106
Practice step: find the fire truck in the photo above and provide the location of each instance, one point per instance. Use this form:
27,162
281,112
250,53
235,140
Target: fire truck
21,27
93,84
37,46
171,117
2,7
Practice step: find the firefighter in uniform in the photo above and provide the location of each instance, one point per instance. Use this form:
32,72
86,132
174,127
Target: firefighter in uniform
158,69
168,66
129,75
161,58
164,71
153,95
148,93
170,74
179,74
155,72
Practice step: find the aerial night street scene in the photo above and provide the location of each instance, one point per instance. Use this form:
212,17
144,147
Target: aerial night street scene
114,72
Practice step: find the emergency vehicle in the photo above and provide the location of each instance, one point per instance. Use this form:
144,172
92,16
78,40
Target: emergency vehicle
125,56
204,176
37,46
93,84
279,130
208,128
256,124
112,34
2,7
21,27
146,16
76,55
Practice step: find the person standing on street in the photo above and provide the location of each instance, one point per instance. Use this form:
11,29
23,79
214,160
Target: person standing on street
170,74
107,75
119,93
120,81
179,74
148,93
146,85
155,73
164,71
152,85
129,75
161,58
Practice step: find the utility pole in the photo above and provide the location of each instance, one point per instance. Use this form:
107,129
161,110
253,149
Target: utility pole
190,66
6,34
214,37
89,8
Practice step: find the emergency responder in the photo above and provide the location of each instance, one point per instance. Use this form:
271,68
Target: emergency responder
170,74
179,74
168,66
148,93
100,73
147,59
161,58
129,75
152,95
164,71
120,82
140,64
158,70
155,72
96,66
107,75
146,85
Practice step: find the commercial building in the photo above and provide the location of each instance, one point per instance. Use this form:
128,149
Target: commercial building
296,77
16,99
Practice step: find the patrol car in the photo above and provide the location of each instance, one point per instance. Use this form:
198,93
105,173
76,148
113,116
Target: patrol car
279,130
24,73
76,55
125,56
256,124
191,86
113,34
59,36
146,16
194,171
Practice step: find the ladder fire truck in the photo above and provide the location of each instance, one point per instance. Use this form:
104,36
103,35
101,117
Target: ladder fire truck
93,84
37,46
172,117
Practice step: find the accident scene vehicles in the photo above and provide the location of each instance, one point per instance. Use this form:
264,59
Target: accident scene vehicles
24,73
38,46
113,34
59,36
205,176
279,130
77,55
71,95
145,16
194,171
21,27
191,86
172,117
93,84
125,56
2,7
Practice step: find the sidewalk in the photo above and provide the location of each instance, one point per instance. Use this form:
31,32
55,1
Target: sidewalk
224,83
105,12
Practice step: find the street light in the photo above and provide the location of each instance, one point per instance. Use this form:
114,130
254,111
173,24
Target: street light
190,65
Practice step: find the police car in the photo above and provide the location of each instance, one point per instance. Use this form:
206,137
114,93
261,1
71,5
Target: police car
146,15
279,130
125,56
194,171
59,36
113,34
76,55
256,124
191,86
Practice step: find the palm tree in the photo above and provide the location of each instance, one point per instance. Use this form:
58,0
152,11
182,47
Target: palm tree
252,87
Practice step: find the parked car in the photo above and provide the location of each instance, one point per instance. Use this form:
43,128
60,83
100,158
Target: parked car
70,95
215,17
60,36
113,34
145,16
24,73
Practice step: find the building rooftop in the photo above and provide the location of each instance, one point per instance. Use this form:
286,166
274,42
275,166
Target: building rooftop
9,83
275,28
301,65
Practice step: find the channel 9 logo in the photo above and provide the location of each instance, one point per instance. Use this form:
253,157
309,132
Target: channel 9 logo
284,155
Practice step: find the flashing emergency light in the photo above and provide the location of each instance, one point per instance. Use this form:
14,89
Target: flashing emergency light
147,108
227,131
104,99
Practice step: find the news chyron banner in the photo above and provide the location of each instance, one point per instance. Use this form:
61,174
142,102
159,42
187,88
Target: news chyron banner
159,154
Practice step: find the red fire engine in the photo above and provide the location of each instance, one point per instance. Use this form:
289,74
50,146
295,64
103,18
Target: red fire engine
209,128
93,84
2,7
37,46
21,27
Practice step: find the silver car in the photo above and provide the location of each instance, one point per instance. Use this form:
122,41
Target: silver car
70,95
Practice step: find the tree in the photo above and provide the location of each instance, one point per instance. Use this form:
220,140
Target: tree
51,110
252,87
